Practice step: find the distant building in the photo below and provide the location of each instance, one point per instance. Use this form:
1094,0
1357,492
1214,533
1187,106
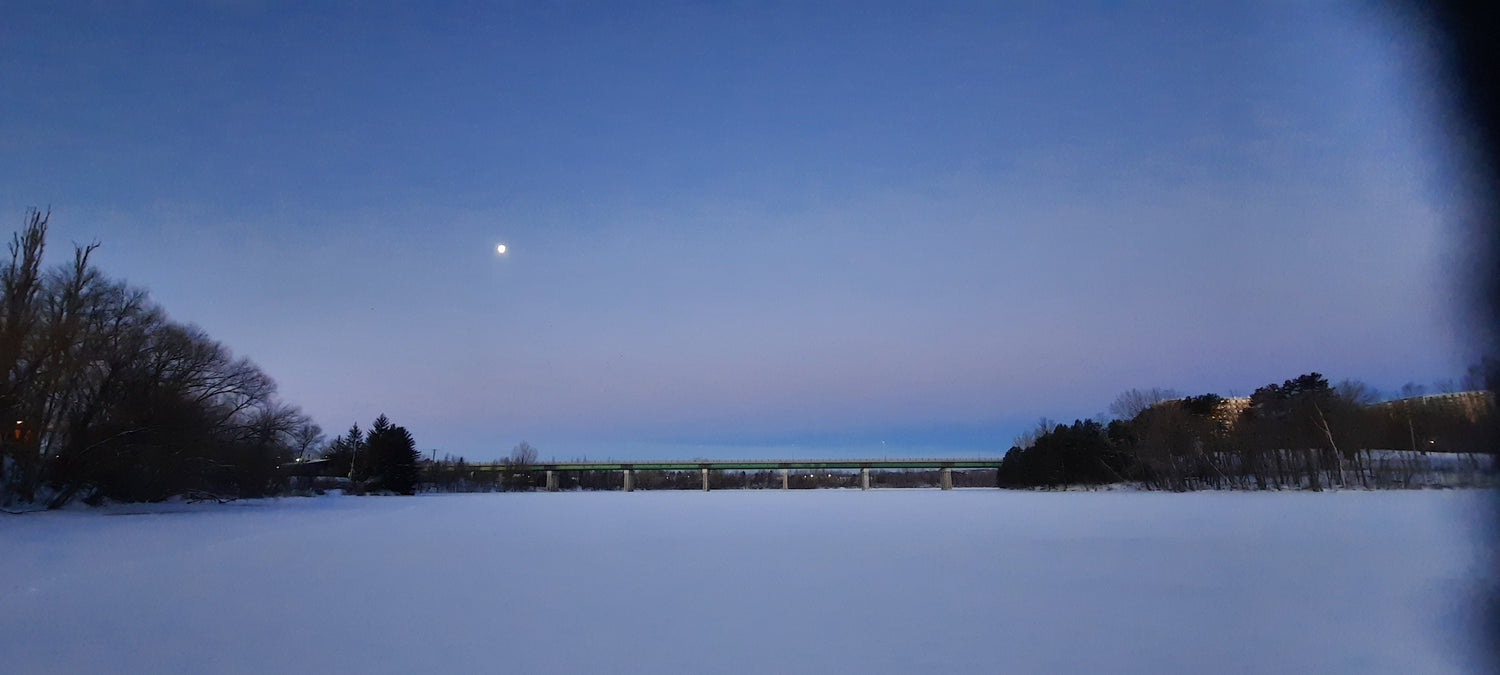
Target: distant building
1472,406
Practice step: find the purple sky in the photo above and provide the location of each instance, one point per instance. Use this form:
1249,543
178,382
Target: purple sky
757,229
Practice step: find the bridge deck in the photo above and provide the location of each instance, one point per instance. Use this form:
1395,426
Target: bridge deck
757,464
552,469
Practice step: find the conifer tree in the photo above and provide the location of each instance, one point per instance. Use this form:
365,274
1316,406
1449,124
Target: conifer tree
390,457
342,450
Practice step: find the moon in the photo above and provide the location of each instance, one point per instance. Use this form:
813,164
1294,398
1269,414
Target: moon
500,249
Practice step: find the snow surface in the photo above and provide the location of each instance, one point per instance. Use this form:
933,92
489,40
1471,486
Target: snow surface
736,581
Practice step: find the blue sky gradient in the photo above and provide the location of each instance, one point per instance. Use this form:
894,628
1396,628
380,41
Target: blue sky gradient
751,228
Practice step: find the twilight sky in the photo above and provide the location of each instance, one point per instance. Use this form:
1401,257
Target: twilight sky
750,229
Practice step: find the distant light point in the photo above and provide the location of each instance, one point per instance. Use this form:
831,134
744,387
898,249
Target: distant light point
500,249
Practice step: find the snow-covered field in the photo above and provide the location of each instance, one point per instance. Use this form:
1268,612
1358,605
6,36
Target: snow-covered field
764,581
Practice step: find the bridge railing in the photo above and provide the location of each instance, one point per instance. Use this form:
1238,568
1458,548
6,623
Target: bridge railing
945,465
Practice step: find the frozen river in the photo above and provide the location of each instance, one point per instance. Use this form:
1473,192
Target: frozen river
763,581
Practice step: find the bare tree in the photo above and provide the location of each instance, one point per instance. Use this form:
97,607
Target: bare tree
20,284
115,400
307,440
1357,393
1029,437
517,466
522,456
1131,403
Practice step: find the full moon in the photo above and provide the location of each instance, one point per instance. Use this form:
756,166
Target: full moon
500,249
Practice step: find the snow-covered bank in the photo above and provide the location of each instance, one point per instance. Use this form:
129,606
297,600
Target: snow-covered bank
801,581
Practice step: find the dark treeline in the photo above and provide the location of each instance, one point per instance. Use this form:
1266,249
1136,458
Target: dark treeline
1302,433
103,397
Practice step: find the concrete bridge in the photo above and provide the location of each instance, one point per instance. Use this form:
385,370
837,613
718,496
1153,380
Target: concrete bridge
945,466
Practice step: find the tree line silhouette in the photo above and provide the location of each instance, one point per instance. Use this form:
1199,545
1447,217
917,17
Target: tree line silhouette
102,396
1302,433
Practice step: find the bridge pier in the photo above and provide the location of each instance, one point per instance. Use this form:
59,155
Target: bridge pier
551,480
783,479
947,478
629,480
864,478
705,479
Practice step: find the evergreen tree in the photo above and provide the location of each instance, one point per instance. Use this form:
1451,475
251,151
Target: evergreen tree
1290,421
406,460
342,450
1082,453
391,457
